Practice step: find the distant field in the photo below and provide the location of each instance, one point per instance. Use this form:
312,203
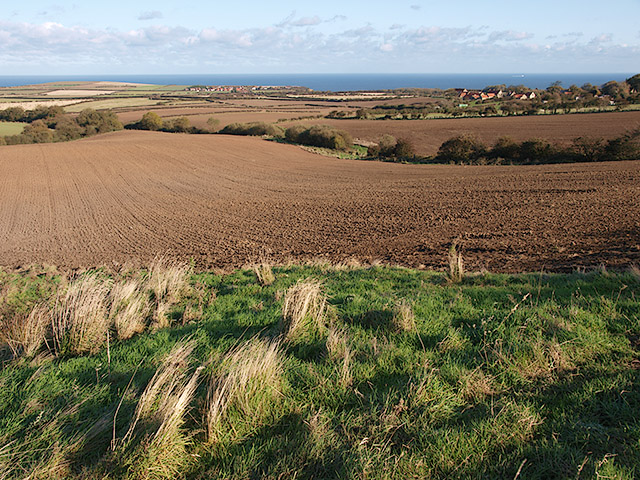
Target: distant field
428,135
11,128
112,103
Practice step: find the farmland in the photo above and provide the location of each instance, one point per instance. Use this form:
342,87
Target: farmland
200,306
11,128
220,200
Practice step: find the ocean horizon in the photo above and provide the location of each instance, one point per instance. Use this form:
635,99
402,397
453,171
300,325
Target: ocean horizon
337,82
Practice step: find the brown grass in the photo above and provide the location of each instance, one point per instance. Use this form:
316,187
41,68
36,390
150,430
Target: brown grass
130,308
160,416
168,281
25,334
250,384
403,317
264,272
79,320
456,264
304,307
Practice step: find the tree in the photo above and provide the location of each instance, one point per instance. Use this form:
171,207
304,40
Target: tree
213,124
67,129
634,83
178,125
151,121
98,121
462,148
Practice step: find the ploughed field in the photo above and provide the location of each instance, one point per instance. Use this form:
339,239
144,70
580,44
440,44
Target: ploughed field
223,201
428,135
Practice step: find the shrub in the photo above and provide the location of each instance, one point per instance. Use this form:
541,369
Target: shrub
257,129
323,136
102,121
66,128
461,149
505,147
536,151
177,125
151,121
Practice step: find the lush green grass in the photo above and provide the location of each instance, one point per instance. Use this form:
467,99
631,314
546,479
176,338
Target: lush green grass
500,374
11,128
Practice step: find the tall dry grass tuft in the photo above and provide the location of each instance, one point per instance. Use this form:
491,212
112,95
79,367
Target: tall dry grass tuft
130,308
159,420
25,334
264,273
169,282
403,317
340,351
250,384
304,306
79,319
456,264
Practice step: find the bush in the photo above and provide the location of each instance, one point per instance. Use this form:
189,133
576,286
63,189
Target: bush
461,149
151,121
67,128
389,147
256,129
505,147
537,151
177,125
323,136
94,122
626,147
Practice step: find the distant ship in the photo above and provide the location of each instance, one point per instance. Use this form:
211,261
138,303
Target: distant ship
517,76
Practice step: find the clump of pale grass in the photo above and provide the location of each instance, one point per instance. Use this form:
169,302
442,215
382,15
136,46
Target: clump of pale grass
403,317
476,385
456,264
130,308
169,282
79,319
25,334
635,271
340,351
159,418
264,272
304,306
250,384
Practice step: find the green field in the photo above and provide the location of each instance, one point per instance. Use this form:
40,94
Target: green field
403,374
11,128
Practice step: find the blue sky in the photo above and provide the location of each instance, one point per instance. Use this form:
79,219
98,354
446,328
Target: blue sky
250,36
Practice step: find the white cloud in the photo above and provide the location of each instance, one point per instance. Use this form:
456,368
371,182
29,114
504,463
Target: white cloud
154,15
52,45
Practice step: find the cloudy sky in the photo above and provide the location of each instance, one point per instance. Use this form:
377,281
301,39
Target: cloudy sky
347,36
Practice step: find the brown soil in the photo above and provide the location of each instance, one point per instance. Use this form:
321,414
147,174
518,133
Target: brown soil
222,200
428,135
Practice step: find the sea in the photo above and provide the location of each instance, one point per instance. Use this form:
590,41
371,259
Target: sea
338,82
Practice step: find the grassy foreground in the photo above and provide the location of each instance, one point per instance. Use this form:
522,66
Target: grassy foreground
319,372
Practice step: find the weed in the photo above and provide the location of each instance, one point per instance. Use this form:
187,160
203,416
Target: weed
79,320
456,264
250,384
130,308
25,334
161,451
304,307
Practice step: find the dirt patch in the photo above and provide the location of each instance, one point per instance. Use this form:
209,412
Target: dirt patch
221,200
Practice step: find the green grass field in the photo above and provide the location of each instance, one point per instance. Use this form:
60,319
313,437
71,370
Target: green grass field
402,375
11,128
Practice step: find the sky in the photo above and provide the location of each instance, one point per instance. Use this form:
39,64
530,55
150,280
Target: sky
41,37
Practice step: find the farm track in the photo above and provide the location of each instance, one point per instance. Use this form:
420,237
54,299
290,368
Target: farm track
223,200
